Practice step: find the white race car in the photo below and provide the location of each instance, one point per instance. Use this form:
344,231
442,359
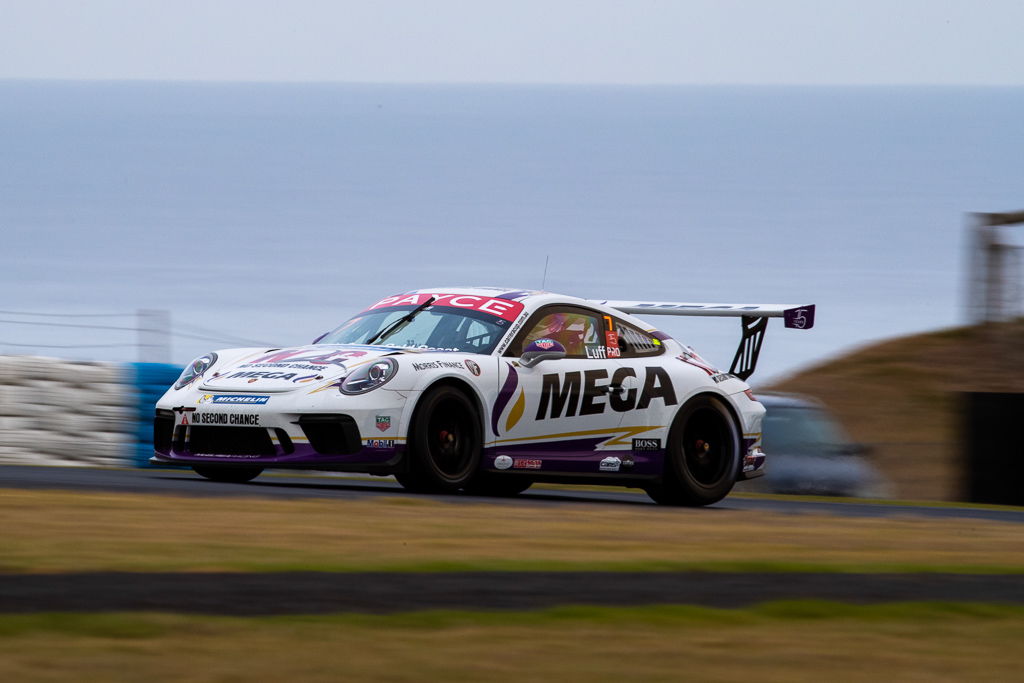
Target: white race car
484,390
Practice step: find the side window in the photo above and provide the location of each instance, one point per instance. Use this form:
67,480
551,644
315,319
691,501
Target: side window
635,343
577,329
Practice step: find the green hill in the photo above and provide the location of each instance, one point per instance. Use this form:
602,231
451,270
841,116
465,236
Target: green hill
903,396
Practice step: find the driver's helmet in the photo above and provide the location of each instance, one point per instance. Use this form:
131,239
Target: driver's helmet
569,329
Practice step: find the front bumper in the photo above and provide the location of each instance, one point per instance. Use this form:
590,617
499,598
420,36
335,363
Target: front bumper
752,465
291,436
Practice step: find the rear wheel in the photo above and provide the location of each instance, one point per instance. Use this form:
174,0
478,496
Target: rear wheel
703,455
444,442
233,475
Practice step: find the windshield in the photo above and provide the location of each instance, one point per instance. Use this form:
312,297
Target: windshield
437,328
801,431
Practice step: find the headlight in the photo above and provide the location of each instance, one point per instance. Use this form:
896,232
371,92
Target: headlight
369,376
195,370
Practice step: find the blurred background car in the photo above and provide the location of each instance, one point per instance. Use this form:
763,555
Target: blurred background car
809,453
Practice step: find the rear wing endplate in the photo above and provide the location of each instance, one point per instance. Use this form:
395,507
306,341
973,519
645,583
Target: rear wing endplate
753,318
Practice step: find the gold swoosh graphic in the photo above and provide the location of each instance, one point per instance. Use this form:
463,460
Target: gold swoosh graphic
615,434
516,413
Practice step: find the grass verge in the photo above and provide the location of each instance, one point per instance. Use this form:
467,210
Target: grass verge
791,641
64,531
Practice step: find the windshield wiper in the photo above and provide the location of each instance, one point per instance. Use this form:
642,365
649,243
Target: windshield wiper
407,318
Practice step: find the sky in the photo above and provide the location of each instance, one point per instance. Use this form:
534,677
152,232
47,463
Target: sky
793,42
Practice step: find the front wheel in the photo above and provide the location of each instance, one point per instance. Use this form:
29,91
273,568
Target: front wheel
232,475
444,442
703,455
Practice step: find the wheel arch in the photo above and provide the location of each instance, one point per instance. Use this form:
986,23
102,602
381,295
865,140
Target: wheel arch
456,383
679,484
417,477
722,398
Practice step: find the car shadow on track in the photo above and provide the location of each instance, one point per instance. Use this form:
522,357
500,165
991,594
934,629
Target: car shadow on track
302,489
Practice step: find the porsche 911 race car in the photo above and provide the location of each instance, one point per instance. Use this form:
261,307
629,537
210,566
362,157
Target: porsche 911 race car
484,390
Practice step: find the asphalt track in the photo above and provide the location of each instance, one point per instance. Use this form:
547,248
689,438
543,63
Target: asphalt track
383,593
376,592
273,485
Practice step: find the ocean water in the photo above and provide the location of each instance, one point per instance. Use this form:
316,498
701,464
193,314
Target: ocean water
273,212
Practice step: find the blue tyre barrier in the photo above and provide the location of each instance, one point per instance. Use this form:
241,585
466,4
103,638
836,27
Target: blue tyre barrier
150,381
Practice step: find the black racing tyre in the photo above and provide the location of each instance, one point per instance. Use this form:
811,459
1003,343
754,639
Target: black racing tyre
497,485
233,475
703,455
444,442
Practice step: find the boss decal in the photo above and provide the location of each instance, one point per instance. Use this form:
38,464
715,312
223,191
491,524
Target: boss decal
583,393
646,444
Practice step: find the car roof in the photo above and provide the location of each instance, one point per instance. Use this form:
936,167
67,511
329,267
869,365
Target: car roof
535,298
510,293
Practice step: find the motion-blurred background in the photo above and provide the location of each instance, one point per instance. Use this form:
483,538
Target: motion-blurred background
179,177
176,180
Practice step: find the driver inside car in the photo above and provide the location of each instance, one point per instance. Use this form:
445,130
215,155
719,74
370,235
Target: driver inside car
571,330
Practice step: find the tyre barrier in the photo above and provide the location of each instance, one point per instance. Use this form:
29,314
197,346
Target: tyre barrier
149,381
60,412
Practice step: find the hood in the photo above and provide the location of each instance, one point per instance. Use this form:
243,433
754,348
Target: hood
280,370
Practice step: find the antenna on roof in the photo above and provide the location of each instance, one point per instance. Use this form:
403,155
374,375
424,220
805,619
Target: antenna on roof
544,280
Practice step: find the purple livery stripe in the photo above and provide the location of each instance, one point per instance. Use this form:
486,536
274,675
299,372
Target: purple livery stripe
504,396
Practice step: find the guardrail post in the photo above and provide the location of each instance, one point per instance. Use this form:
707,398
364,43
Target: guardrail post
154,335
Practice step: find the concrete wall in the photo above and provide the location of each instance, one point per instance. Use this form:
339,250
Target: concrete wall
60,412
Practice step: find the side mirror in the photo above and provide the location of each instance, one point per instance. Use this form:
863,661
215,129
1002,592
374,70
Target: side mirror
541,350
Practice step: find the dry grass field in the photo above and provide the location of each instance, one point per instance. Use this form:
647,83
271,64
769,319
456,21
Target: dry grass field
775,642
57,532
64,531
902,396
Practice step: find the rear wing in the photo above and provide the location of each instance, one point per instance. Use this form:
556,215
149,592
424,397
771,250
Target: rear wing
753,319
